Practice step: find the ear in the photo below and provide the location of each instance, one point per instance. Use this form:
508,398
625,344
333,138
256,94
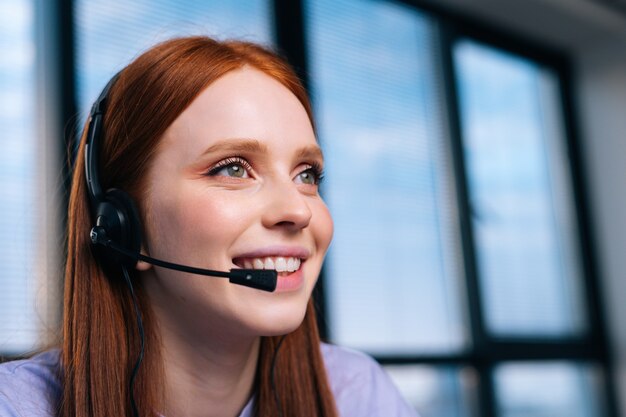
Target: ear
142,265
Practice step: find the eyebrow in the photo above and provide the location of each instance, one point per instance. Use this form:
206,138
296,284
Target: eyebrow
237,145
253,145
310,152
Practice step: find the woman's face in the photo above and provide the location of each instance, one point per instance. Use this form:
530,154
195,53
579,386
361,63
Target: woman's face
233,185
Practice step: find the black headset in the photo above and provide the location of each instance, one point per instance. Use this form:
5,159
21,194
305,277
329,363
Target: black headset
115,215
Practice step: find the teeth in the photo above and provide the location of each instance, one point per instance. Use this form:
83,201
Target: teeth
279,263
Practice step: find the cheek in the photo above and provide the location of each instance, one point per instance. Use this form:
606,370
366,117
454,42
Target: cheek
192,223
323,225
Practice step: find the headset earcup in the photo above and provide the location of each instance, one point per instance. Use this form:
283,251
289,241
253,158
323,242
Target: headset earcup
120,218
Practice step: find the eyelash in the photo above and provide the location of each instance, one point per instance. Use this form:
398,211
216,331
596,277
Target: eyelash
315,167
229,161
317,170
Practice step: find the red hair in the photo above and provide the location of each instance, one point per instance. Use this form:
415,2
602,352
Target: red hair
100,339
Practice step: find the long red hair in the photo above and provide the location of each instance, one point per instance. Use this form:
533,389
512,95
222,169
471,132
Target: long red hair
100,338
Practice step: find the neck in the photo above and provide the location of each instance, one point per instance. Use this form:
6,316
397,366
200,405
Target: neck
212,379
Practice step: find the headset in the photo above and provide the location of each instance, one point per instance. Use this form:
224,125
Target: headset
116,234
115,213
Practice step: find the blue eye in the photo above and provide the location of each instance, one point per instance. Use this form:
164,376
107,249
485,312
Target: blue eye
307,177
234,170
231,167
311,176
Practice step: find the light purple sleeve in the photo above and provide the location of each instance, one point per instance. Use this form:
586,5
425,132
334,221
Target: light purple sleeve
30,388
361,387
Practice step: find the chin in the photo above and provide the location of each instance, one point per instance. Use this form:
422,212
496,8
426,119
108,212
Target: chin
279,329
277,321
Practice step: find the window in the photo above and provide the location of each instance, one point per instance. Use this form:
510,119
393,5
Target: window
457,258
110,34
20,324
553,388
520,194
379,111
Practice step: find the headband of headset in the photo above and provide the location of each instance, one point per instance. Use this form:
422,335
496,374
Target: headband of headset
94,136
113,211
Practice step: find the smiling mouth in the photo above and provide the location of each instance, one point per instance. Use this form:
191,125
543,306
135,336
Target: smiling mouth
284,265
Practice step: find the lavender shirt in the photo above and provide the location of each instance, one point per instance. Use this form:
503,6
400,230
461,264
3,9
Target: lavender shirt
30,388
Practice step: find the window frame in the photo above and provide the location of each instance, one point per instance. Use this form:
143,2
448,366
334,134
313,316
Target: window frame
489,351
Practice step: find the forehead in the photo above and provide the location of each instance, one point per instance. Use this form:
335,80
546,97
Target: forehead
244,103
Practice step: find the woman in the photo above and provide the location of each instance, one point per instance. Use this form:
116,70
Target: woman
214,143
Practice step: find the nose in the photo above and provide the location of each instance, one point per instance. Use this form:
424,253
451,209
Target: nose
287,208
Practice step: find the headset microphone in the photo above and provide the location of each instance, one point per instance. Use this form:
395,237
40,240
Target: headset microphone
255,278
117,232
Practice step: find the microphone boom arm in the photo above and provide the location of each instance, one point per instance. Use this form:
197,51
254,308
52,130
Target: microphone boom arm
261,279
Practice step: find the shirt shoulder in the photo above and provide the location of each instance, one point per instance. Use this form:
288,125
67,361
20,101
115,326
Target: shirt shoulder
30,387
360,385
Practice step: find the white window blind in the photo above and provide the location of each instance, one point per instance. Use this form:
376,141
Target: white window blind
19,208
394,272
110,34
521,194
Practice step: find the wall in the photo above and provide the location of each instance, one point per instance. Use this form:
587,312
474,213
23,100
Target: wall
602,105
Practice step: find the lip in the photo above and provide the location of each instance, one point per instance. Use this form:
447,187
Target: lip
284,251
291,282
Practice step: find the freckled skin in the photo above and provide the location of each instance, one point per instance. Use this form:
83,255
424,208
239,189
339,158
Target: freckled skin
207,220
